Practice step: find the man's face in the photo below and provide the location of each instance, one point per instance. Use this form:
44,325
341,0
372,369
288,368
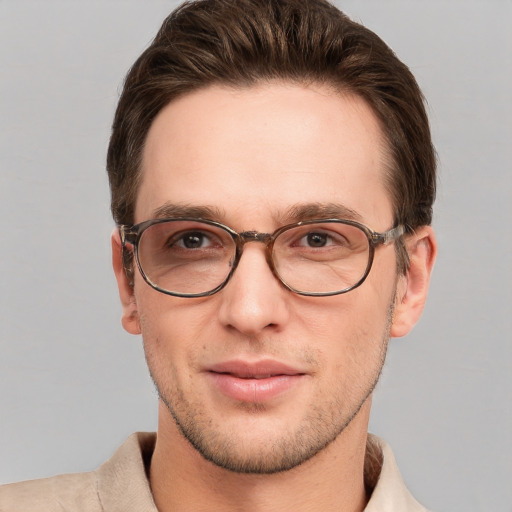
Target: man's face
257,378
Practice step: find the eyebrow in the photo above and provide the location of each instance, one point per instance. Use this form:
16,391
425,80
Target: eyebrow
295,213
310,211
171,210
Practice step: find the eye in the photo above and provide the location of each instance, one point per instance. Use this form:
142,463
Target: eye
192,240
316,239
319,239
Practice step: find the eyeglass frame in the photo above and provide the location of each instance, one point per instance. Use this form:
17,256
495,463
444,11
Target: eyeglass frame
132,235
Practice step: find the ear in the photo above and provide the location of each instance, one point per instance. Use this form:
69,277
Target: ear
130,318
412,288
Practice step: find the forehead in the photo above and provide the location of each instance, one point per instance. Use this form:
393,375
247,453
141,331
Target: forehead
261,150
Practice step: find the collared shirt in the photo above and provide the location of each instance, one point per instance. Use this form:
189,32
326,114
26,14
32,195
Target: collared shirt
121,484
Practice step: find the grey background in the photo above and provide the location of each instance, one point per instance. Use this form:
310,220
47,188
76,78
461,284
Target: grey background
73,385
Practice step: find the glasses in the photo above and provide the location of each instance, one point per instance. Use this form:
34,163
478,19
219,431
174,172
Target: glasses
187,257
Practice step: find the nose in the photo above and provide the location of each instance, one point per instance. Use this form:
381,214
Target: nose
254,300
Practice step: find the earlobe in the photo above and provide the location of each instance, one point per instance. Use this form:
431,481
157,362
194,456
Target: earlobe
130,317
412,288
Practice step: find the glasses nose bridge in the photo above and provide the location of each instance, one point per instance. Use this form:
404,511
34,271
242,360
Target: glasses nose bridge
255,236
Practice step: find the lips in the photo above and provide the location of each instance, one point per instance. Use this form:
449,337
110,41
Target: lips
258,370
254,382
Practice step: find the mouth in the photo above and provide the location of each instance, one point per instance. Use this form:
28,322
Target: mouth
267,376
258,370
254,382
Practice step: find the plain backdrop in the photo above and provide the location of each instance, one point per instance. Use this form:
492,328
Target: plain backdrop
73,385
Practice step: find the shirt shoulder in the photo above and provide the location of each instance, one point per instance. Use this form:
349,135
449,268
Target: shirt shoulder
119,485
73,492
384,481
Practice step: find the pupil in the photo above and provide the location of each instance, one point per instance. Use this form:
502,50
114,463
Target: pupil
316,240
193,240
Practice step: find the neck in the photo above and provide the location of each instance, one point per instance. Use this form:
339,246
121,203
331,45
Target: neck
181,479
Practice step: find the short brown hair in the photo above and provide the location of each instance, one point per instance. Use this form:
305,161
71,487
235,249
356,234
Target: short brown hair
242,42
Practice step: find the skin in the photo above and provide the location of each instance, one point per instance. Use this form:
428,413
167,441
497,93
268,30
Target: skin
252,154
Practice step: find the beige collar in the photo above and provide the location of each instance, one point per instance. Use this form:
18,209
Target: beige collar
123,485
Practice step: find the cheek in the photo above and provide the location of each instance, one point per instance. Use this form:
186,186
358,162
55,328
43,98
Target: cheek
167,351
355,315
172,328
350,333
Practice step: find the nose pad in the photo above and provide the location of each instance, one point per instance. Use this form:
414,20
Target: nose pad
253,299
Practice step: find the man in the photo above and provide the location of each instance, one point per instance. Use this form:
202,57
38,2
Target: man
272,179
